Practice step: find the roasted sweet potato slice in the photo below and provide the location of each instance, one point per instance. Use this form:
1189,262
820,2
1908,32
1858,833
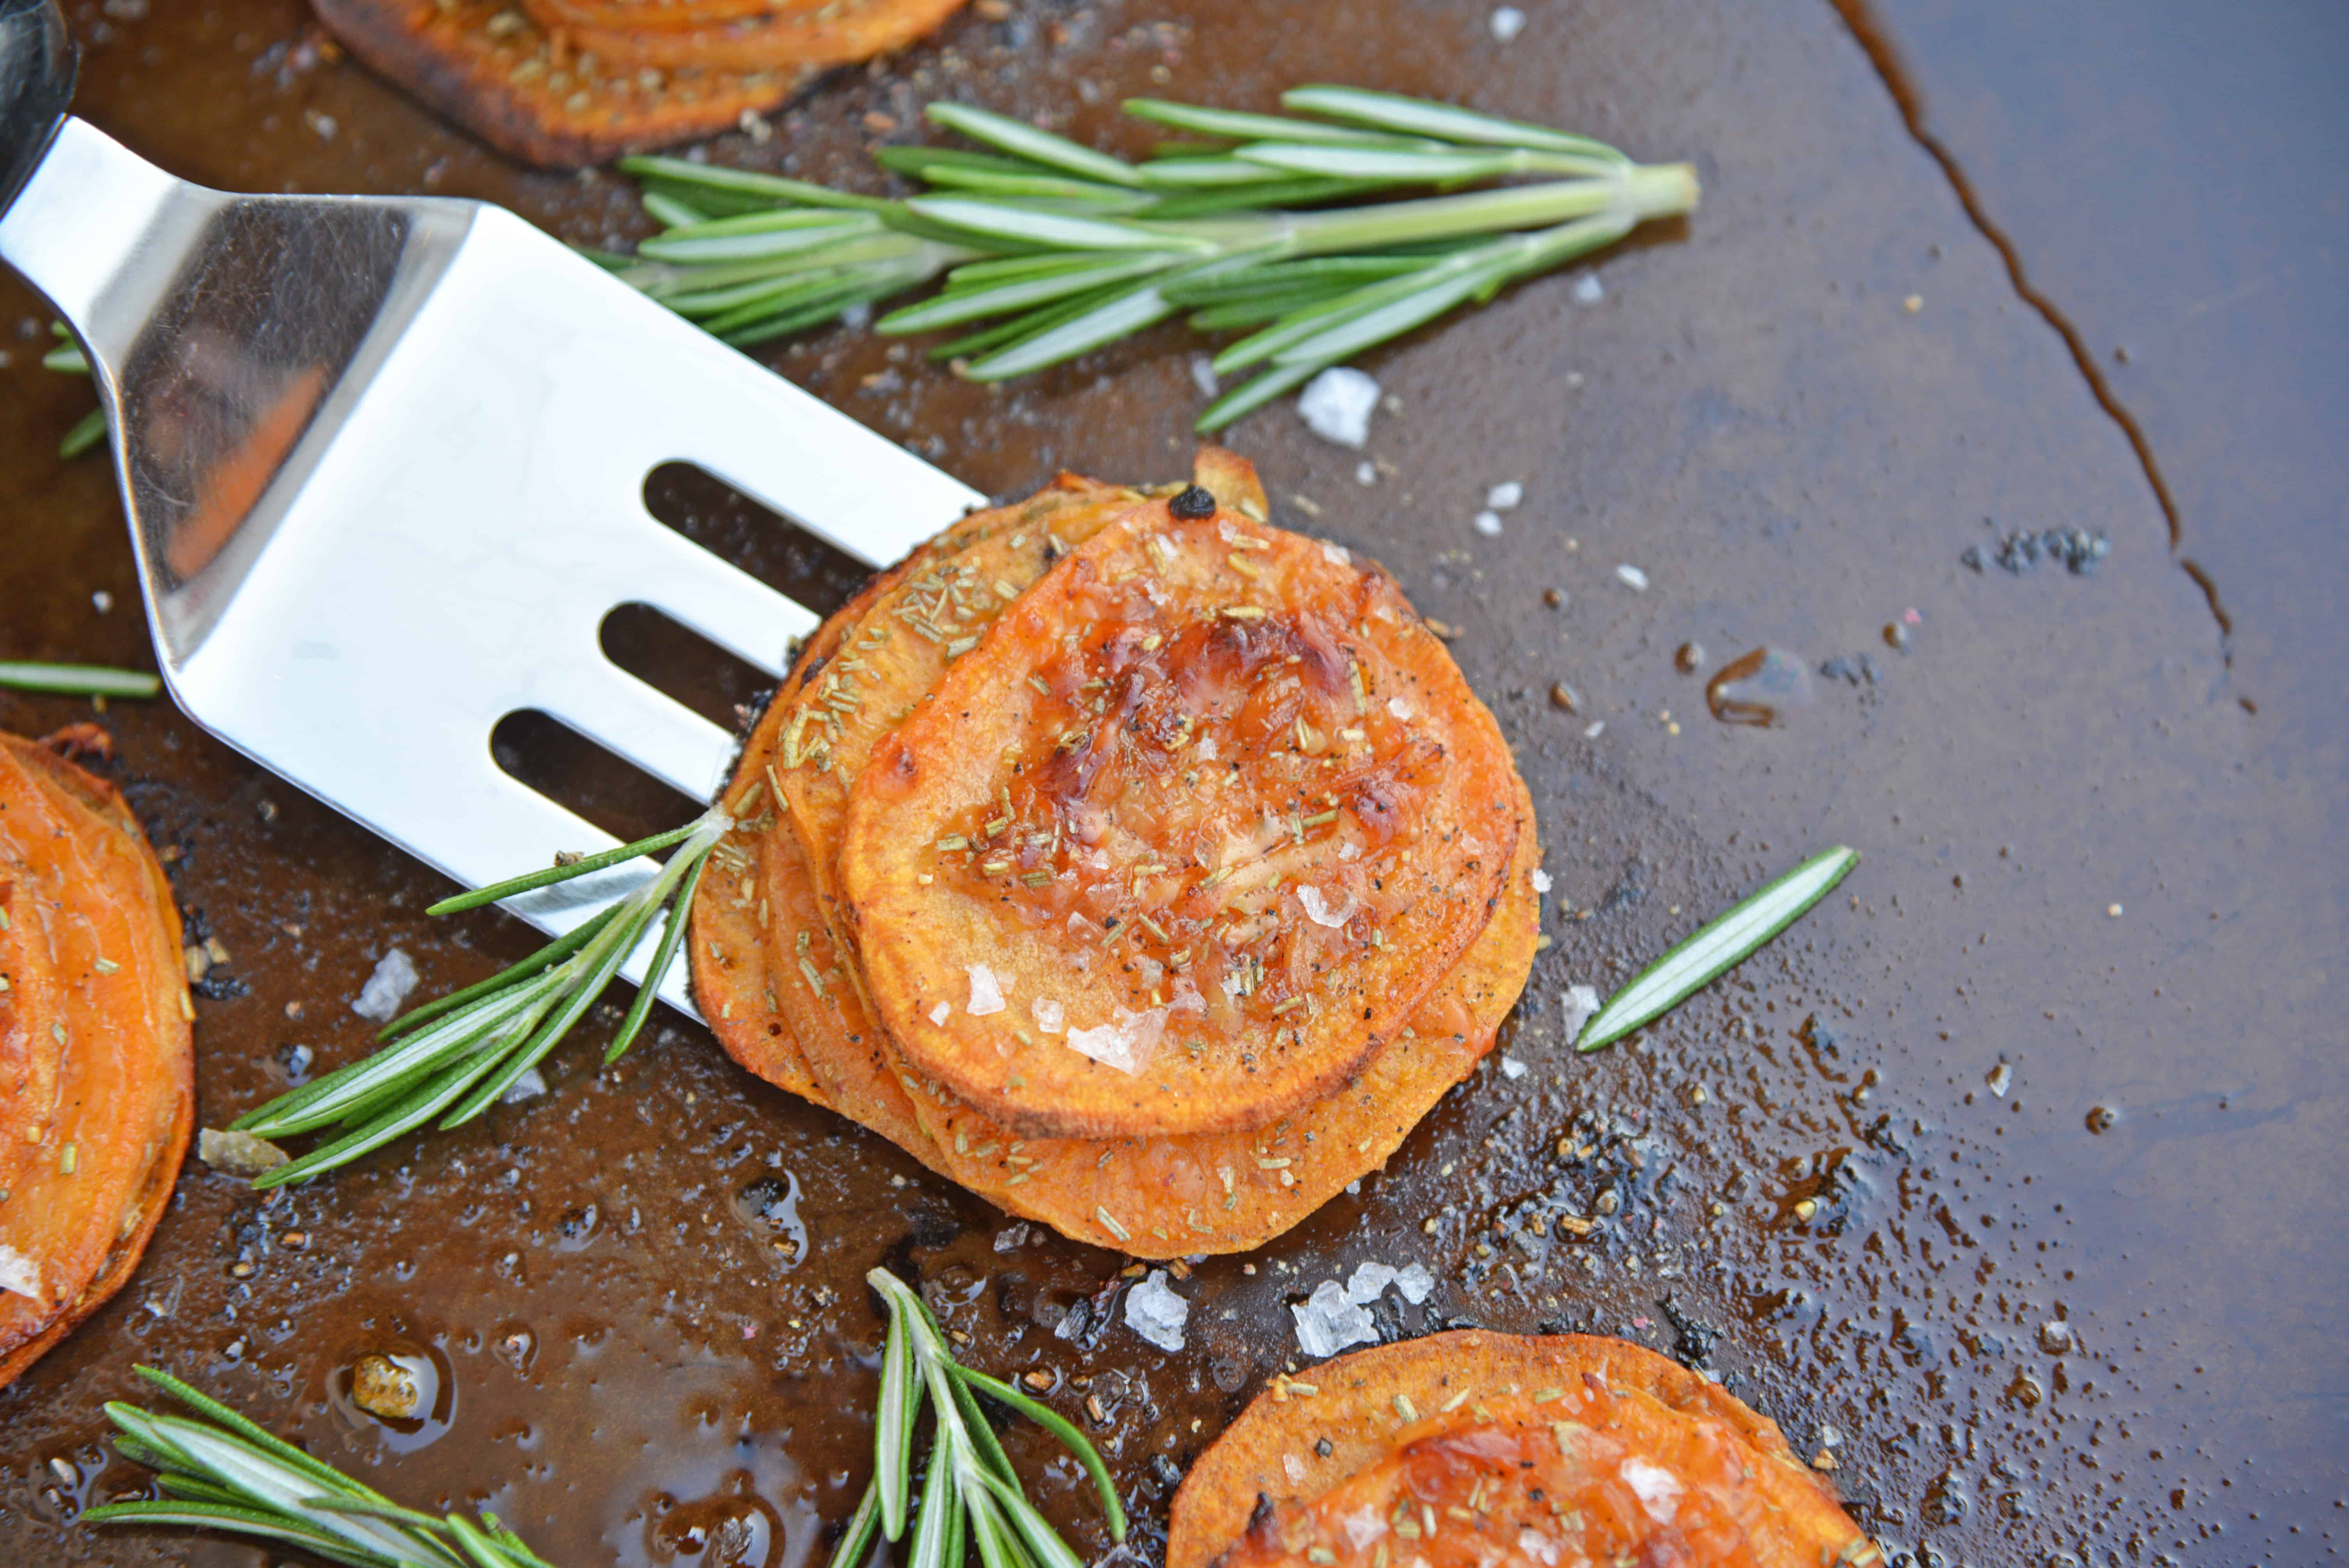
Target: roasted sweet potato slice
778,37
1230,1193
97,1065
1473,1449
1192,831
541,98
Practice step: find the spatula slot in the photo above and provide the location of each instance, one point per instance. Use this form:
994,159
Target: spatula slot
686,666
545,754
764,543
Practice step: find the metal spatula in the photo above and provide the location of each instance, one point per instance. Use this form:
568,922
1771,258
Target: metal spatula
384,461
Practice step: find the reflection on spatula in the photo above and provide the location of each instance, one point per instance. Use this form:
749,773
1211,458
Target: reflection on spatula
384,462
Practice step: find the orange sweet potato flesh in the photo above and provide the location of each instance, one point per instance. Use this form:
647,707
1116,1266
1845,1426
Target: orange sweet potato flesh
97,1063
733,981
1473,1449
562,94
1209,807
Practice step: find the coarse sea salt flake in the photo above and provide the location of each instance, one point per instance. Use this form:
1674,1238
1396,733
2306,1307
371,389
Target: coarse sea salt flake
1398,707
1588,289
1581,1002
1505,495
1317,908
1488,523
985,991
1327,1322
1414,1284
1337,553
1541,879
942,1012
1369,1283
1632,575
1126,1042
1153,1311
1051,1016
1337,405
1657,1490
1507,23
1206,748
1513,1068
19,1273
394,977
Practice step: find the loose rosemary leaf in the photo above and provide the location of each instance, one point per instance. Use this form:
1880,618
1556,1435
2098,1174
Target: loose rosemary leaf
1720,945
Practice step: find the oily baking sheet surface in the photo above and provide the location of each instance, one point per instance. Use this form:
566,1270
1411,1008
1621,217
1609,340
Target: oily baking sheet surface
1857,1179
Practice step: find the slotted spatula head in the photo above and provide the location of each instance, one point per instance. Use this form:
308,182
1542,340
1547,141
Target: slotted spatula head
384,461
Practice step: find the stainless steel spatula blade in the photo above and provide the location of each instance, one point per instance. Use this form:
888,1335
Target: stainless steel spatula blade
384,461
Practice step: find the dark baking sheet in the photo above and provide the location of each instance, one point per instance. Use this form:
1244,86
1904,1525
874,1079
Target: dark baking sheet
1752,417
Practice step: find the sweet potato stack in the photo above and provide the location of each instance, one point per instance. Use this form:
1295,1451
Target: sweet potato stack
563,83
97,1067
1473,1449
1148,869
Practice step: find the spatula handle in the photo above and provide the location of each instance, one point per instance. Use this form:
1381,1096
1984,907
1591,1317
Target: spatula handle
37,75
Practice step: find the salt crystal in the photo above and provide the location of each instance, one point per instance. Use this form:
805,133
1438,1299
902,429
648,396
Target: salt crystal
1126,1042
1488,523
1011,1238
1153,1311
1592,730
1999,1078
1337,405
1512,1068
19,1273
1414,1284
1337,553
1327,1322
1203,375
1581,1002
1588,289
1206,748
1657,1490
1051,1016
1505,496
239,1153
1296,1469
1366,473
1506,24
1541,880
1633,576
942,1012
529,1085
1318,909
395,976
1398,707
1369,1283
985,991
857,316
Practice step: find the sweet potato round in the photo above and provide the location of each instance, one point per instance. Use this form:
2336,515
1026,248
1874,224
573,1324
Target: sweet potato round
1563,1447
1209,795
96,1060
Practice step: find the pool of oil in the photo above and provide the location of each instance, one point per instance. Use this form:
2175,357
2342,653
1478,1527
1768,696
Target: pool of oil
2000,1181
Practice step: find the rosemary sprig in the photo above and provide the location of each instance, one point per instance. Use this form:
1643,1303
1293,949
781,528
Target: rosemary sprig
224,1472
450,1059
1050,249
79,680
1720,945
969,1497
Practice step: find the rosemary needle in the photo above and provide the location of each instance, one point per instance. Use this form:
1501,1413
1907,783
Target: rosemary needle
1720,945
80,680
